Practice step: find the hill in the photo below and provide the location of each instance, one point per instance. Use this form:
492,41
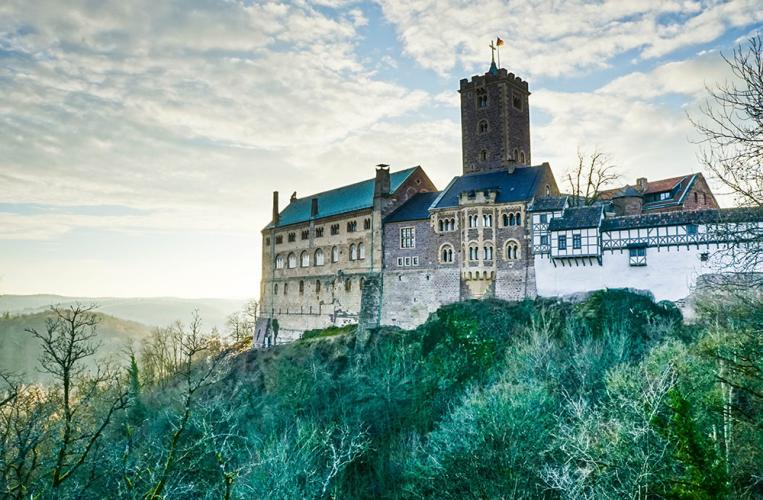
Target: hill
19,350
151,311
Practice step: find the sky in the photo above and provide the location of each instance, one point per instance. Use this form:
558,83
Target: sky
141,141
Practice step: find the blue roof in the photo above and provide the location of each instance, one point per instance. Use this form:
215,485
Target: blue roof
519,185
341,200
417,208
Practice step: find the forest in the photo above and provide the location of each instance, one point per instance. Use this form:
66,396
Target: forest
611,396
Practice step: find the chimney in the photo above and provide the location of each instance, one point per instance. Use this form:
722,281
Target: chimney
293,197
382,183
314,207
276,217
641,184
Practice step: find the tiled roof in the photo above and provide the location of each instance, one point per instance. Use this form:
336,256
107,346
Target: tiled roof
577,218
547,203
677,186
519,185
337,201
684,217
417,208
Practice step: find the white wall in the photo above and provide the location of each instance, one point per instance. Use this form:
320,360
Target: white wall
670,273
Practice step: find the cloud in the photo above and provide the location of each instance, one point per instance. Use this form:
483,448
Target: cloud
545,38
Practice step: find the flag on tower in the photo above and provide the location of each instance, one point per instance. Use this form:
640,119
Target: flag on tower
499,42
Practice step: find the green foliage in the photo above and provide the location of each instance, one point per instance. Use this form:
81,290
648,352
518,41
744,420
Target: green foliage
325,332
607,397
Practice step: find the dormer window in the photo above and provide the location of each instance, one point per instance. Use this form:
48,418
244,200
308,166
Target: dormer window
482,127
664,196
483,155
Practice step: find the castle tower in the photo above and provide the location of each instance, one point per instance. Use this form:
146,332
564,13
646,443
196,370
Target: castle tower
495,121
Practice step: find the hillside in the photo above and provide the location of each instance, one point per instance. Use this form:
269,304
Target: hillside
151,311
609,397
19,350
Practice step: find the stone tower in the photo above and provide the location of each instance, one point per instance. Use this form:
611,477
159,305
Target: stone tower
495,121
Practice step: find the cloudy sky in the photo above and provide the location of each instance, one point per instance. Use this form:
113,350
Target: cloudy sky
140,140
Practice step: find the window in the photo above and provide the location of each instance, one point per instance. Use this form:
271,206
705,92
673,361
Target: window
279,239
562,240
576,242
512,250
292,237
483,155
548,190
522,158
285,288
704,198
473,221
696,197
352,226
319,232
407,261
304,259
692,229
407,237
348,285
505,220
353,252
317,286
544,218
518,219
366,224
301,287
487,220
334,229
515,154
482,127
544,239
482,101
361,251
334,254
275,289
516,101
267,241
292,261
664,196
487,252
473,253
637,256
306,234
511,220
279,261
704,257
415,260
319,258
399,261
446,254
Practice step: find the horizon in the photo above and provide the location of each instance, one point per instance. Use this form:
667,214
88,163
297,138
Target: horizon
143,141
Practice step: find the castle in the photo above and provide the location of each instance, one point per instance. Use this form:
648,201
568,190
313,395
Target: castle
393,249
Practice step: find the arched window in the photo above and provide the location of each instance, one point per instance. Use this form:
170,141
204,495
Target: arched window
512,250
285,288
317,286
353,252
522,157
482,127
291,261
518,219
548,190
483,155
442,226
334,254
275,289
361,251
505,220
452,224
511,219
348,285
446,254
319,258
301,287
304,259
474,252
279,261
488,252
515,154
487,220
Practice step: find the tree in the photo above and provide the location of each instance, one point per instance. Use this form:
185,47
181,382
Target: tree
87,401
589,177
731,126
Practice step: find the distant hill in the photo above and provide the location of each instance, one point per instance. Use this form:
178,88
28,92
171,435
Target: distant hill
19,349
154,311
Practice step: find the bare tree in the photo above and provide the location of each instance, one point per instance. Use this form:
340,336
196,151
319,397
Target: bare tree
589,177
69,338
731,126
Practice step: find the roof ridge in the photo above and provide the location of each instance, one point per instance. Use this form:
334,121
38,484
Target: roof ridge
354,184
